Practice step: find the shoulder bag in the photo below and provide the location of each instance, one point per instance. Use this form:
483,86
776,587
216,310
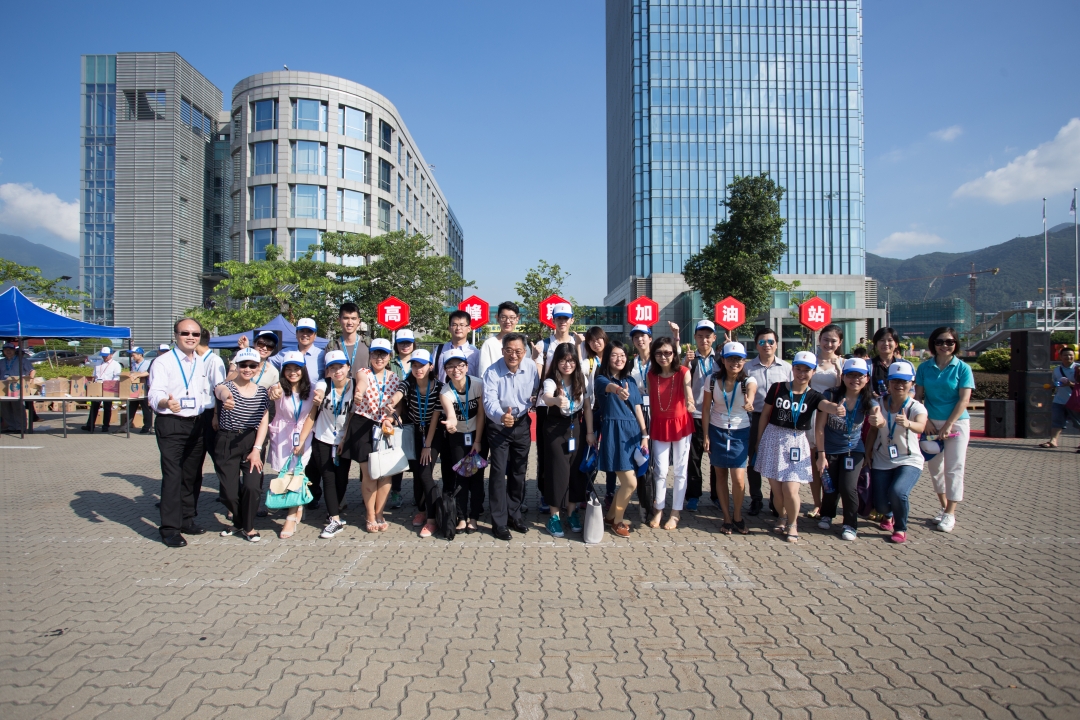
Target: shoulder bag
386,457
290,488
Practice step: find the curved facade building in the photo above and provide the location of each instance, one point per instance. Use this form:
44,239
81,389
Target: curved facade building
314,153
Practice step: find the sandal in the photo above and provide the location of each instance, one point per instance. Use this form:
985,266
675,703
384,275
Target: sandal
792,537
1047,445
286,534
383,526
740,525
672,523
813,514
372,526
780,528
654,521
727,528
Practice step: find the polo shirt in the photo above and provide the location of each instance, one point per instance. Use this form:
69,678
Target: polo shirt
941,386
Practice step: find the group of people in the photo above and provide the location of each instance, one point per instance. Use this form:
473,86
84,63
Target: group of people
630,412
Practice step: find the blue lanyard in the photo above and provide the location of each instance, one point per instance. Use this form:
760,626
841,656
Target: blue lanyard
728,403
706,370
356,348
423,406
264,364
463,406
297,405
382,388
849,420
182,374
338,406
796,409
893,416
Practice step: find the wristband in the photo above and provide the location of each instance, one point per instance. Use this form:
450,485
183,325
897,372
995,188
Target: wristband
257,447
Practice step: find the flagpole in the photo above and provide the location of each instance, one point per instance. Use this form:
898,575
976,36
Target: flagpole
1046,272
1076,287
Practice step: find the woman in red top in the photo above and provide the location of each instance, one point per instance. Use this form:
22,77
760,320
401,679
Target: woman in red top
671,402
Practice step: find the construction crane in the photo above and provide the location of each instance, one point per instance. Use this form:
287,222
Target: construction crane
933,278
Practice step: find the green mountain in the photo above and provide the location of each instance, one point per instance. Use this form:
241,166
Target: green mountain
1021,272
52,263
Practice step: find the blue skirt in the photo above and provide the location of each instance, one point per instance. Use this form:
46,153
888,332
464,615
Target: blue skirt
618,440
719,453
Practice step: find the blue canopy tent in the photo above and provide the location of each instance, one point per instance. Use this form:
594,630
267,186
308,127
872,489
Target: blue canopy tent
22,318
279,325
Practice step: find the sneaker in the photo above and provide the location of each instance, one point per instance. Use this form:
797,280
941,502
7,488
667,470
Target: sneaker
940,516
848,533
332,529
543,506
554,526
824,523
691,505
395,500
948,522
886,524
575,522
899,537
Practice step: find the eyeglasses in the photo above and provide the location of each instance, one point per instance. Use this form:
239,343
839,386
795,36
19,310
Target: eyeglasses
187,333
664,353
305,330
459,326
512,351
947,342
248,366
763,343
264,346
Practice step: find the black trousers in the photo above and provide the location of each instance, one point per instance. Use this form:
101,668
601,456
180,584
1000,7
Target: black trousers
106,413
541,463
694,478
846,482
147,413
210,448
468,491
425,489
753,477
509,459
240,484
180,443
330,479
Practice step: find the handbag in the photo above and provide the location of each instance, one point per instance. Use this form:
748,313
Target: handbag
386,458
408,442
290,488
469,465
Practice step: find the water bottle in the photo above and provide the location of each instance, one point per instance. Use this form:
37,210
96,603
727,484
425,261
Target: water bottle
827,483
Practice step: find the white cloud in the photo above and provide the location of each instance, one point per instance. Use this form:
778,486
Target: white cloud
23,205
906,244
1049,169
948,134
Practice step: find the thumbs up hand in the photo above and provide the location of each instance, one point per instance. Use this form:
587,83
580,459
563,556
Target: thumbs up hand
173,404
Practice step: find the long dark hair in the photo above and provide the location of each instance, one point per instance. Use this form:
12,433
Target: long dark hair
866,395
594,333
605,365
577,378
302,387
654,365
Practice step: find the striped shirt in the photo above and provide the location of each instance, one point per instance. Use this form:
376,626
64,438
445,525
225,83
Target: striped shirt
420,406
247,412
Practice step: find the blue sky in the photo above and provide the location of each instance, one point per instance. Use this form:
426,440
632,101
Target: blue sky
507,100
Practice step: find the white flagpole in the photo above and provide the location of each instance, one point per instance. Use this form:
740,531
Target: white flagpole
1046,272
1076,287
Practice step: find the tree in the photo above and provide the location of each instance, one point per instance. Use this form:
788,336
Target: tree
540,283
390,264
744,250
29,280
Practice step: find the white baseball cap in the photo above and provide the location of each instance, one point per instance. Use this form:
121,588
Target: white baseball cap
805,357
335,357
106,351
562,310
455,354
901,370
306,324
404,335
641,329
705,325
421,356
247,355
855,365
734,349
163,347
293,357
381,345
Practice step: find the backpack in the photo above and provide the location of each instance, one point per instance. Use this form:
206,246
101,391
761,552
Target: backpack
712,384
446,517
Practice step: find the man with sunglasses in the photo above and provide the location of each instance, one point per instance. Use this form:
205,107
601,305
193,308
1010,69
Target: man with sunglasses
767,369
180,393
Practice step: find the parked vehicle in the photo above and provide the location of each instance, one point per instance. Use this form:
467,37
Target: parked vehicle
58,357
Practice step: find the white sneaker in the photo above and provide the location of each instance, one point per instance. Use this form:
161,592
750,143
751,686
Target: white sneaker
940,516
848,533
948,522
824,523
332,529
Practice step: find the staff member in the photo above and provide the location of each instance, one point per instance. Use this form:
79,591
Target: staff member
509,387
106,371
767,370
179,392
13,417
349,342
139,364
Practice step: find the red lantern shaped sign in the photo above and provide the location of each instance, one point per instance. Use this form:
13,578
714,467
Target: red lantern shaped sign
815,313
478,311
392,314
547,307
643,311
730,313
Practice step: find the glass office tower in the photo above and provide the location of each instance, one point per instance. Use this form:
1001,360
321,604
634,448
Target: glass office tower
703,91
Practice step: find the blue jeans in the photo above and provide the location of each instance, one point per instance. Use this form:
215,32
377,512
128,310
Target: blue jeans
891,491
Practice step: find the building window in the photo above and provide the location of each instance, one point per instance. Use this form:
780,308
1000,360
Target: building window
352,207
237,123
385,135
309,201
260,240
264,158
263,202
408,199
384,177
265,115
302,239
236,209
145,104
400,182
400,220
384,214
309,115
353,164
308,158
353,123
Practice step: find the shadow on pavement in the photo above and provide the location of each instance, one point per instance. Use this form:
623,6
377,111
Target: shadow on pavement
137,513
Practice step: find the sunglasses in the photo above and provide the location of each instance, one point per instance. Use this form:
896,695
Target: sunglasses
947,343
763,343
664,353
248,366
187,333
264,346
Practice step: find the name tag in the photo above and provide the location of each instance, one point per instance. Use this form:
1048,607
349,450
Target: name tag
645,400
187,403
467,438
571,444
729,445
295,439
333,451
893,452
796,454
849,463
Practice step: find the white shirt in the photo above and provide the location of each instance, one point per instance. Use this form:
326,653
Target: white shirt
549,345
589,366
718,412
215,369
107,371
490,353
329,425
549,390
700,369
167,378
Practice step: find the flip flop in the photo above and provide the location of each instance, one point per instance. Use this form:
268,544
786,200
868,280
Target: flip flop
1046,445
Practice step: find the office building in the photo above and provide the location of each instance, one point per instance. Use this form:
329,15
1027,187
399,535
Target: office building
700,92
314,153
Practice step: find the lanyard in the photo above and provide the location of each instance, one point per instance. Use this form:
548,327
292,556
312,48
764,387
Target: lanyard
356,348
382,388
462,405
849,422
706,370
337,406
728,403
423,406
264,364
893,416
796,409
297,405
182,374
643,370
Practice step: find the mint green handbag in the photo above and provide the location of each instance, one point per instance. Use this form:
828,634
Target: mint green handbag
290,488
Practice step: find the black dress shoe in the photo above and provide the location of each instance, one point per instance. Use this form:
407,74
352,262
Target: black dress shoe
88,428
517,525
501,532
755,507
174,541
193,530
145,431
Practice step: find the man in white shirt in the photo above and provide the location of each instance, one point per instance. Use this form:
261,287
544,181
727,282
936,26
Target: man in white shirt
140,366
767,369
702,363
460,323
507,316
107,370
179,393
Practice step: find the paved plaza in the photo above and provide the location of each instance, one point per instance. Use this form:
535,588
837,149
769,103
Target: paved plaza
99,619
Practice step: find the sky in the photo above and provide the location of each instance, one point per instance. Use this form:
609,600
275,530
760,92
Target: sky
971,114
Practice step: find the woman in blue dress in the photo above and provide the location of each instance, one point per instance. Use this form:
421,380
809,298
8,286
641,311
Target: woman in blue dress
622,430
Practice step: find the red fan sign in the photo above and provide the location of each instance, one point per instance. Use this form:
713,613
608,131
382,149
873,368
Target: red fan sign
547,307
478,311
730,313
392,314
815,313
643,311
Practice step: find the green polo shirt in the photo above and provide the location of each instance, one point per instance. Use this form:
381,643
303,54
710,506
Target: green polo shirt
941,386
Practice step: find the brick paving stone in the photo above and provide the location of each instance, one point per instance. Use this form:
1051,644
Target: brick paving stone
100,620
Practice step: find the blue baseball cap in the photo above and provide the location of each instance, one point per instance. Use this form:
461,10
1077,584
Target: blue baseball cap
138,350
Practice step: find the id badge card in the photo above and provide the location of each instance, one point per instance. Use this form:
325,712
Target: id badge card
796,454
571,444
187,403
645,400
468,439
729,445
296,439
333,451
849,463
893,452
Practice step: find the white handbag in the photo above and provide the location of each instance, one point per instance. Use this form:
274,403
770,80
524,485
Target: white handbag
592,530
408,442
387,458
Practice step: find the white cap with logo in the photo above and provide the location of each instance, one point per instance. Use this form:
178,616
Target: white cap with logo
380,345
805,357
